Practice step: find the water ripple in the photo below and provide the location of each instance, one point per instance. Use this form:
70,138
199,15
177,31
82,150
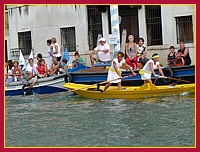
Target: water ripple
75,121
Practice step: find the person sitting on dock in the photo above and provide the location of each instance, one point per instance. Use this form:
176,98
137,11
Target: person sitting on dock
179,59
42,69
39,57
141,53
9,68
184,53
55,67
131,49
30,69
41,72
172,58
115,73
65,66
78,60
149,67
103,52
17,71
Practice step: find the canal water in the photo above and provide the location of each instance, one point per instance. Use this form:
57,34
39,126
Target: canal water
70,120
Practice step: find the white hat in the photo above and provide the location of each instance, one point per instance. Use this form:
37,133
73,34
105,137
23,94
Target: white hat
102,39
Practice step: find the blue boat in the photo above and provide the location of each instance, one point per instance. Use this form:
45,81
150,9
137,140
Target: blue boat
178,72
46,85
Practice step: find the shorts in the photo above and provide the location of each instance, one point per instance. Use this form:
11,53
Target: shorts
146,76
96,58
143,61
105,62
112,76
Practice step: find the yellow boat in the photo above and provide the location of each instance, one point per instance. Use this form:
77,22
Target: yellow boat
146,90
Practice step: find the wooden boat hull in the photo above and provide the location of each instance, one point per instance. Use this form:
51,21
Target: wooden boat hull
183,72
144,91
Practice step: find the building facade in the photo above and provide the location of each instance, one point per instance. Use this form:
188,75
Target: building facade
77,27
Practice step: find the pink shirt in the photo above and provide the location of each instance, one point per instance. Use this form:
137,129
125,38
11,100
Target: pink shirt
102,55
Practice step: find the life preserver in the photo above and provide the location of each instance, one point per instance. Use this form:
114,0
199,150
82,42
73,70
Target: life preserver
168,73
28,91
68,78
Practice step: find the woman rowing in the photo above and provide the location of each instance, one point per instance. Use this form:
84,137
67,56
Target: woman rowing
114,71
149,67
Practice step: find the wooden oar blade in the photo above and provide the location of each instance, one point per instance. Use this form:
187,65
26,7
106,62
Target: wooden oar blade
177,79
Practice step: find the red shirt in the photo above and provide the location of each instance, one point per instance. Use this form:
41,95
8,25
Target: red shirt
16,71
41,69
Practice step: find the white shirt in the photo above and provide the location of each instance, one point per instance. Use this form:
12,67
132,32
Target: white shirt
141,49
49,51
102,55
54,50
146,67
31,69
10,72
118,64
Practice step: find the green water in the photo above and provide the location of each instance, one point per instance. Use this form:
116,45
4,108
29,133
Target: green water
75,121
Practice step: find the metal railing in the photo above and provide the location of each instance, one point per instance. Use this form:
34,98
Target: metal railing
15,52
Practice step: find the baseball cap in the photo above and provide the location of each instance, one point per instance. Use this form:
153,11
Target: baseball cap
102,39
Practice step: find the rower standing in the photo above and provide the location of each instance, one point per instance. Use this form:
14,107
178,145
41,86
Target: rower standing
114,71
149,67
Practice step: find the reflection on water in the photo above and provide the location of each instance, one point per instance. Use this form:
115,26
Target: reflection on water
70,120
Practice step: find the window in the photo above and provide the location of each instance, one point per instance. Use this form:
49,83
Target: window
94,25
154,25
184,29
25,43
68,38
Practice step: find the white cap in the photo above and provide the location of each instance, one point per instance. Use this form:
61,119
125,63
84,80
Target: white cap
102,39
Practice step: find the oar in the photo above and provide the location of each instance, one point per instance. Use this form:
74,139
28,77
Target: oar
179,79
53,95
